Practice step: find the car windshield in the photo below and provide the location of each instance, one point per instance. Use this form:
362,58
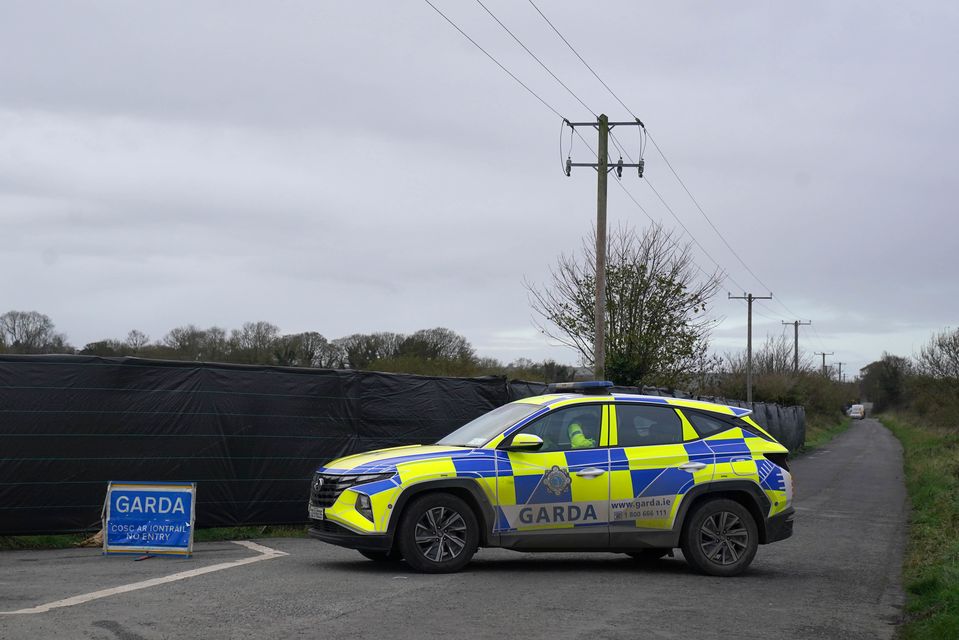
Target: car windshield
489,425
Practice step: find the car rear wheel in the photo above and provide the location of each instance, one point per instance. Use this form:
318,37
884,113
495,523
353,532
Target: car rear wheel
438,533
720,538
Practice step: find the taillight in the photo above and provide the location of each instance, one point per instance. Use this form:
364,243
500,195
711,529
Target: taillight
778,459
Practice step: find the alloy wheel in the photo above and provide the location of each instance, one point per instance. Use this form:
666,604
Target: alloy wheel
440,534
723,538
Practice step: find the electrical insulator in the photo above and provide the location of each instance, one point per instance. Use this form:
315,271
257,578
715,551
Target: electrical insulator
619,167
642,165
569,166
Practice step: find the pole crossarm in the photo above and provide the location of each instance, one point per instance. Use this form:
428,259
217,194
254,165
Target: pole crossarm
611,166
824,354
611,124
796,324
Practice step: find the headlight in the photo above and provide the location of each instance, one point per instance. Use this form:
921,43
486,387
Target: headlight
364,506
372,477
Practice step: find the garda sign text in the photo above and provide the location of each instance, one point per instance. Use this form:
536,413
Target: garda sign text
149,518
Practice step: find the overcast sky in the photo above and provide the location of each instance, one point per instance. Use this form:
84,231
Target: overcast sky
360,166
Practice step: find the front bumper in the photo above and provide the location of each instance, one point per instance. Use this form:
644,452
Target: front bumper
780,526
333,533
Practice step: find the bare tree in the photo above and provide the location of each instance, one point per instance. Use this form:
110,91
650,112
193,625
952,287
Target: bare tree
940,357
136,340
186,343
30,332
657,330
362,349
214,345
775,356
308,349
436,344
254,342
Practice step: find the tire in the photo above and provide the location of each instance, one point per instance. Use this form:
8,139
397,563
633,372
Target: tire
381,556
648,556
438,533
720,538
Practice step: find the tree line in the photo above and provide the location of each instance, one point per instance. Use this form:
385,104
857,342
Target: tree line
436,351
926,384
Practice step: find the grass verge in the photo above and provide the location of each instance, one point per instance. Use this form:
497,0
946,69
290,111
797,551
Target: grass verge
931,568
821,430
70,540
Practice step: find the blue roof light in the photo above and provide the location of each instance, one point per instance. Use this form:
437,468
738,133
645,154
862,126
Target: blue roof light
584,387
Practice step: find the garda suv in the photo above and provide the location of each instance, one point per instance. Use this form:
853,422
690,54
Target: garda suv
582,469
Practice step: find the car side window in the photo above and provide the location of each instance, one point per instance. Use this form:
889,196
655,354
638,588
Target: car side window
640,425
706,425
569,428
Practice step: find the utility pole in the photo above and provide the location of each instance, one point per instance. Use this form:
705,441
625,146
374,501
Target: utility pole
824,354
840,370
749,338
796,325
603,126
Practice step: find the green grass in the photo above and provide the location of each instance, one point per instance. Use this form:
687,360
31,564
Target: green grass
820,431
62,541
247,533
931,568
70,540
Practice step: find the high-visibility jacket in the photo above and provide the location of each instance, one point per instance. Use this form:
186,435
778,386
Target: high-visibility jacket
577,439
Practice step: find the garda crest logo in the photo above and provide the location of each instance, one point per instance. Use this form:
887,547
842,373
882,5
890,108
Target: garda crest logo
557,480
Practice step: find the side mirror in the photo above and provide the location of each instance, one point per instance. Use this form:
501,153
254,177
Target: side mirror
525,442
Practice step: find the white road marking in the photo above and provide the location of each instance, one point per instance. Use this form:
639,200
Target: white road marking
265,553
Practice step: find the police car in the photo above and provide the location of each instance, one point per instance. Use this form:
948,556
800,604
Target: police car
640,475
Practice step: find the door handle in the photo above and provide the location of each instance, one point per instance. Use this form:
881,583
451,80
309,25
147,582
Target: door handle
590,472
692,466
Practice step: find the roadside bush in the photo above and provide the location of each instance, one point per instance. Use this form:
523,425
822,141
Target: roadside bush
934,400
822,398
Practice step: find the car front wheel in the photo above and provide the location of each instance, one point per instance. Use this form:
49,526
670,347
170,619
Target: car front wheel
720,538
438,533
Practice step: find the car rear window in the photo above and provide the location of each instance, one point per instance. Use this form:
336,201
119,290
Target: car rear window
707,425
745,426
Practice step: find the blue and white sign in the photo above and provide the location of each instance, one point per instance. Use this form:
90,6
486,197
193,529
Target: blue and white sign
149,517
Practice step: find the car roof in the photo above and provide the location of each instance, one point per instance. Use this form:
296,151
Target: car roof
556,400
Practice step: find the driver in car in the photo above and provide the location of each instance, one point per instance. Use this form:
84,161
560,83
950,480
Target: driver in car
578,427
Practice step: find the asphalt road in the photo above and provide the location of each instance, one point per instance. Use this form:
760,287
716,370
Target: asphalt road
837,577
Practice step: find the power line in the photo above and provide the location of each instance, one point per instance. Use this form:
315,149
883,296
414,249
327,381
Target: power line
498,64
573,49
550,107
724,272
533,55
665,159
550,72
724,275
708,219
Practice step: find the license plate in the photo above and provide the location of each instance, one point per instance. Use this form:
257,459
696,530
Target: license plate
317,513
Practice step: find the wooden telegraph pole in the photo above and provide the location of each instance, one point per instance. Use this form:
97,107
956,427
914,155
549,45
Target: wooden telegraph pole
748,297
602,166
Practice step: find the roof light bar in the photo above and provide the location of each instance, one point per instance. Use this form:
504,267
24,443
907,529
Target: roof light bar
586,387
